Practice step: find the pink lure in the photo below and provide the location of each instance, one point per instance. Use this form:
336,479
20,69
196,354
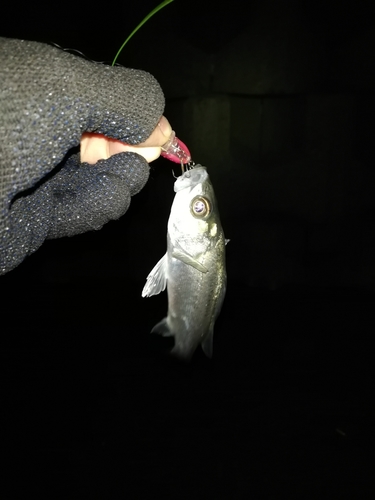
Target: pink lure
175,150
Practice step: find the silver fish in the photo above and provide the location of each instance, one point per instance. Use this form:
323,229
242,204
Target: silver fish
193,269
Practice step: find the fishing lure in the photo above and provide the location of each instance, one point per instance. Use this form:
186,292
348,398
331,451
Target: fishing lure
175,150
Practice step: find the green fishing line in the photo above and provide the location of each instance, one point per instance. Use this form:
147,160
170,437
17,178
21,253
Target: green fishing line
159,7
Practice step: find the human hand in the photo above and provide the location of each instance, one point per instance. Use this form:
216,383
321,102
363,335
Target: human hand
51,101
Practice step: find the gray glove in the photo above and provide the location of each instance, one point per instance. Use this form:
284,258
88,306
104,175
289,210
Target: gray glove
48,98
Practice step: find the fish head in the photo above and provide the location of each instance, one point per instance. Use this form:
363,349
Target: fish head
193,210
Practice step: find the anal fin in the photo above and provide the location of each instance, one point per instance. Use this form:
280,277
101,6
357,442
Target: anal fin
162,328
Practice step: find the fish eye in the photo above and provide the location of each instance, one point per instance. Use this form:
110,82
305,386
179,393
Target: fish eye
200,207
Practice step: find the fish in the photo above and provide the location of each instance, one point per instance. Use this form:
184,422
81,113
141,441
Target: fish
193,268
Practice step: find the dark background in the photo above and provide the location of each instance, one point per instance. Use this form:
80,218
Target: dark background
277,100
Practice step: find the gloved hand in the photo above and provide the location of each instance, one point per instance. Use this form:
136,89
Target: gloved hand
48,99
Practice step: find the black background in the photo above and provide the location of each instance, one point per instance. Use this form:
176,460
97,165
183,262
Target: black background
91,407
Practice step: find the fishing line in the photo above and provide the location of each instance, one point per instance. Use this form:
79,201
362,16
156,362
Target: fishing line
149,15
76,52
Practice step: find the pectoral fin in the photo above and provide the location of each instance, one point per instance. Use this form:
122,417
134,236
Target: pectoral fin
180,254
157,279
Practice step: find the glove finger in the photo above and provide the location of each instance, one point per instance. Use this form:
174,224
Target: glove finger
85,197
79,198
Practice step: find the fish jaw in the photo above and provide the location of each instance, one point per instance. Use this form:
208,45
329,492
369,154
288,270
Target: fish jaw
191,178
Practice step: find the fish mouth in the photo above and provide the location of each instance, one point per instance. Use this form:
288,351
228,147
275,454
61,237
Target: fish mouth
191,178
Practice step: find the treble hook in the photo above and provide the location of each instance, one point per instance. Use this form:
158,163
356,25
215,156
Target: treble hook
185,168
